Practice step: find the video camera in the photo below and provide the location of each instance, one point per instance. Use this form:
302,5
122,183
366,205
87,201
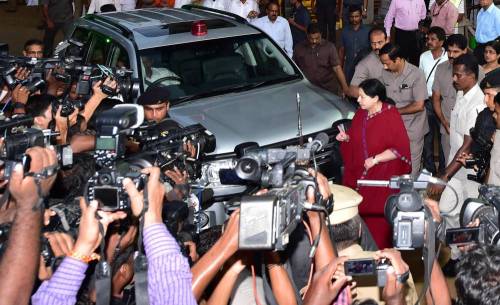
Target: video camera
405,211
18,137
485,208
165,148
481,160
267,221
106,185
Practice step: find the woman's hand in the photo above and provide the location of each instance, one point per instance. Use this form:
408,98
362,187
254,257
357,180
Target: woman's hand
342,136
370,162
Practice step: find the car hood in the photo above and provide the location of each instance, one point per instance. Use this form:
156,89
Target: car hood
263,115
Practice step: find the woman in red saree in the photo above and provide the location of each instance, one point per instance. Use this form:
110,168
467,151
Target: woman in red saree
375,147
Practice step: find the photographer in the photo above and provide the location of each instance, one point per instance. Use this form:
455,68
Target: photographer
19,263
477,277
470,101
40,107
169,278
484,130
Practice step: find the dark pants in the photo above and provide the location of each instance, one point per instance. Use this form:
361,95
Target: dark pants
429,141
407,41
479,53
50,36
326,14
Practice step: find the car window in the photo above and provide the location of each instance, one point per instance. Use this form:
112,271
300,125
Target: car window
212,67
81,35
101,48
119,57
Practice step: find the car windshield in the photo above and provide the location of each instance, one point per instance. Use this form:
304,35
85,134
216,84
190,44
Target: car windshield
212,67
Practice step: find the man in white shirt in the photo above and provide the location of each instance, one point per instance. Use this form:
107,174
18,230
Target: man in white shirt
216,4
248,9
127,5
429,60
277,27
470,101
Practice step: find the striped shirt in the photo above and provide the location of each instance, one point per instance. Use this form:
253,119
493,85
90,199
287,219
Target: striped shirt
169,276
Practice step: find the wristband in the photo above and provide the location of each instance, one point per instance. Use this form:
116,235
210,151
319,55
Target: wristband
84,258
18,105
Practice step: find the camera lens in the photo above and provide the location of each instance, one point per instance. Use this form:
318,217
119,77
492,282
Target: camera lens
105,179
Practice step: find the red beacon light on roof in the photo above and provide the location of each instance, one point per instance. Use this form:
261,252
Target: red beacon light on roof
199,28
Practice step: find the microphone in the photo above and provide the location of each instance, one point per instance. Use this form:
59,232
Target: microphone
319,142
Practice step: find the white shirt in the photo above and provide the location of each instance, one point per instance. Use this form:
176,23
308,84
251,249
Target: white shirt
279,30
463,118
128,5
216,4
494,177
242,9
427,62
95,5
180,3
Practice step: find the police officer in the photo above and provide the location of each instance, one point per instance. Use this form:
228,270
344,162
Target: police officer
370,66
156,106
405,84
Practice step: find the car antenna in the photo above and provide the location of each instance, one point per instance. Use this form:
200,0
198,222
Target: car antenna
299,121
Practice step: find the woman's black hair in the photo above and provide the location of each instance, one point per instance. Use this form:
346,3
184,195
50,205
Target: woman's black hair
373,87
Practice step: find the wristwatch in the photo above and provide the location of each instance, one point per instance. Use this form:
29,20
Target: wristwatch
403,278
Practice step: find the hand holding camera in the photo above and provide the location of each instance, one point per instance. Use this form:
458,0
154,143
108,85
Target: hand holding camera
25,189
327,283
155,193
89,236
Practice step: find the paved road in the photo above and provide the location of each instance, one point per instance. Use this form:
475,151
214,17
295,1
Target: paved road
16,28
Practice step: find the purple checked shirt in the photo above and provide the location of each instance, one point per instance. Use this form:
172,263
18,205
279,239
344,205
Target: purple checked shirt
169,276
407,14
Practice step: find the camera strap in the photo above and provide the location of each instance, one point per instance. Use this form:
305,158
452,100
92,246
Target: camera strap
103,274
140,259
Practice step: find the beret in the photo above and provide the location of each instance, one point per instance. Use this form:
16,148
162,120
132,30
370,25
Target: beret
154,96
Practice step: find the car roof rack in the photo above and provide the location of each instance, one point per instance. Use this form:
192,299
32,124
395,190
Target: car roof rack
192,7
106,22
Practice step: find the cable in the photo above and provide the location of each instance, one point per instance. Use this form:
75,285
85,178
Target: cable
254,285
427,285
456,200
311,271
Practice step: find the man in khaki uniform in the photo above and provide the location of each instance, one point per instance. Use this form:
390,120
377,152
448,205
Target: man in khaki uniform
405,84
370,66
347,227
444,94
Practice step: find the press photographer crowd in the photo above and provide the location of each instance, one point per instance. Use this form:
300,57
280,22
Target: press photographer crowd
102,202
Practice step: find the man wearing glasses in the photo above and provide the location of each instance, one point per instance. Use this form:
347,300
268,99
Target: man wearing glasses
33,48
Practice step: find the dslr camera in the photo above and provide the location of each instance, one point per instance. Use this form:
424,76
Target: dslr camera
106,185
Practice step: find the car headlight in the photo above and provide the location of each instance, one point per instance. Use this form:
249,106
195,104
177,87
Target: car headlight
210,177
210,170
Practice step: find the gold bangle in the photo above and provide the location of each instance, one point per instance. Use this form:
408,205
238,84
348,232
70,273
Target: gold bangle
84,258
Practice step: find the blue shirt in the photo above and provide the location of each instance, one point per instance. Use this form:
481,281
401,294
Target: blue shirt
488,24
300,16
353,42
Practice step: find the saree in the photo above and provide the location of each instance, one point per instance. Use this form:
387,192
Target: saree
370,135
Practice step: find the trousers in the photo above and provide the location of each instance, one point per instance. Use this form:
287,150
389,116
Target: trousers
450,205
